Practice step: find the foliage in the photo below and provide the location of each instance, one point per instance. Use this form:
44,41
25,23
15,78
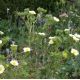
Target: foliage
46,46
53,6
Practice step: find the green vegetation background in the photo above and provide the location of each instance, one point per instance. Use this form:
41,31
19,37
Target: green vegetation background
54,6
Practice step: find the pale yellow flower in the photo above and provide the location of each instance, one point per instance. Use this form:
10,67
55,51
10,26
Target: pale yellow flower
56,19
42,34
1,32
76,39
52,37
51,41
14,62
1,69
75,52
71,35
26,49
77,35
66,30
32,12
65,54
0,41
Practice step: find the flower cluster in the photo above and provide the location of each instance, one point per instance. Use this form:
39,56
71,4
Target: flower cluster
74,52
51,40
32,12
26,49
75,37
1,68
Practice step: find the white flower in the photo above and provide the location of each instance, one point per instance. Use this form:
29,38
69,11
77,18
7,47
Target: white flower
8,9
0,41
14,62
1,69
75,38
26,49
75,52
56,19
71,35
66,30
52,37
51,42
32,12
42,34
77,35
1,33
